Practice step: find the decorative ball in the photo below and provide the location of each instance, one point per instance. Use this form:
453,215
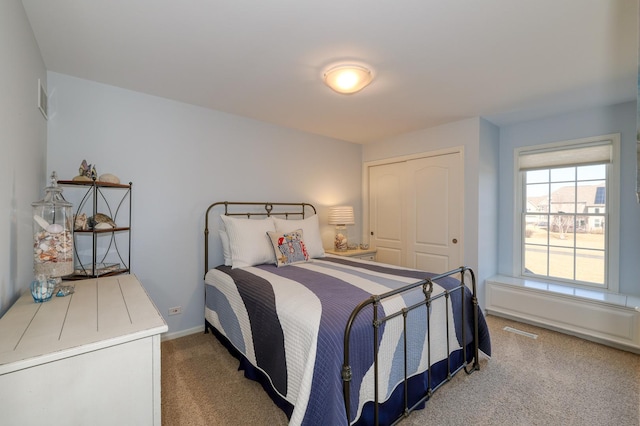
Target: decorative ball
109,178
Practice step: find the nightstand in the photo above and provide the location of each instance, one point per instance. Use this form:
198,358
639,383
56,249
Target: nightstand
369,254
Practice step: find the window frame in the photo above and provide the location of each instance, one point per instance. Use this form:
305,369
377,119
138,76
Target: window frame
612,209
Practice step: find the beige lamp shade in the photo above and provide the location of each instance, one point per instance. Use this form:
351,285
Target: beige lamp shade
341,215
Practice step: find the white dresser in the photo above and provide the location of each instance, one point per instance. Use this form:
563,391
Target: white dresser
90,358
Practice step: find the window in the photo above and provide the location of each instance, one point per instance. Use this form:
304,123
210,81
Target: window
567,215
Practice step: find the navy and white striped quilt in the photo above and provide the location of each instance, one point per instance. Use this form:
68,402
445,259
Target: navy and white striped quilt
289,323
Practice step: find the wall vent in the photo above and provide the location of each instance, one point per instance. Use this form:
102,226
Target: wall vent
520,332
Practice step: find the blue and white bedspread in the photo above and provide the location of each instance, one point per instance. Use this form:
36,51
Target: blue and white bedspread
289,322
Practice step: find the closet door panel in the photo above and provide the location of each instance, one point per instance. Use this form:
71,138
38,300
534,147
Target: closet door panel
431,263
434,204
429,196
415,212
386,209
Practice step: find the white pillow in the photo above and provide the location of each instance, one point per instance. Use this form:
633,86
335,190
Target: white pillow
310,229
226,251
248,241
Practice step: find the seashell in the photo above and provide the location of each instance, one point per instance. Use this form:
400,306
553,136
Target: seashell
87,170
102,225
101,218
81,221
82,178
109,178
40,221
54,228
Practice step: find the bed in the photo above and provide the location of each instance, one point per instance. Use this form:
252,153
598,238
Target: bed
334,340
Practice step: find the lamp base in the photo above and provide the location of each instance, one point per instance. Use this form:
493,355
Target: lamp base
340,242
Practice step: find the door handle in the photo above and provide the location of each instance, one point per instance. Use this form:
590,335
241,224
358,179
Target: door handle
454,241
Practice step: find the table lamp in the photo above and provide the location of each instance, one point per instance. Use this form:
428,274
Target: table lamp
341,216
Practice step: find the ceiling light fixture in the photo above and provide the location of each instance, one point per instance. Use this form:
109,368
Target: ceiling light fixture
347,79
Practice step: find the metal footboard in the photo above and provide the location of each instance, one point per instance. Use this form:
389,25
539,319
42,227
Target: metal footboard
378,320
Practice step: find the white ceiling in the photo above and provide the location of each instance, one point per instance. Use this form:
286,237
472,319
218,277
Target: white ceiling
435,61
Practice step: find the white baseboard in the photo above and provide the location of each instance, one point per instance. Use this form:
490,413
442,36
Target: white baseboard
182,333
600,321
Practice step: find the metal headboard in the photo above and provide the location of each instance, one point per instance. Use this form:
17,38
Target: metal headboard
238,208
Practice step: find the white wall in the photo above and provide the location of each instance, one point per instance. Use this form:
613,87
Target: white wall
23,145
620,118
470,134
181,158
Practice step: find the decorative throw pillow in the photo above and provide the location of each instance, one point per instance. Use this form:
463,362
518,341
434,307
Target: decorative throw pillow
288,247
310,228
248,243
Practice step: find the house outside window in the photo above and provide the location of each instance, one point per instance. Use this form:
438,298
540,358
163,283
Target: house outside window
567,218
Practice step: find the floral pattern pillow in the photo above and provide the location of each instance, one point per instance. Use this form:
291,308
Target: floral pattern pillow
289,247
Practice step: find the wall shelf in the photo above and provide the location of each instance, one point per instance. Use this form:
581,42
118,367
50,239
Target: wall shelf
101,252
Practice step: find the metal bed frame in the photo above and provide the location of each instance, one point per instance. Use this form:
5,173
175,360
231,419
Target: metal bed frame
298,210
377,321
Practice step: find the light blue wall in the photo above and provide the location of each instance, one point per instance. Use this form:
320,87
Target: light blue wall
488,185
23,139
619,118
180,159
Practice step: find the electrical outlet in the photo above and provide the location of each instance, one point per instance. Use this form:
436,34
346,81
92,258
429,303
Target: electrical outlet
175,310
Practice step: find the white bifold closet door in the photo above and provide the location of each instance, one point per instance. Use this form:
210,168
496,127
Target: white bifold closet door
415,212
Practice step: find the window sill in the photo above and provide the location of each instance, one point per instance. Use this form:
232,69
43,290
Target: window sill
600,316
593,295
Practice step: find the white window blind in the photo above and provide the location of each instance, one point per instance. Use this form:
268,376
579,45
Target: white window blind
600,152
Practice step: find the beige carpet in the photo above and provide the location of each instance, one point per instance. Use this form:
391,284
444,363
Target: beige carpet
552,380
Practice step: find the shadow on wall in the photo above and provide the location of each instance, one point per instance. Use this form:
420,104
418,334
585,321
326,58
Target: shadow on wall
10,290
